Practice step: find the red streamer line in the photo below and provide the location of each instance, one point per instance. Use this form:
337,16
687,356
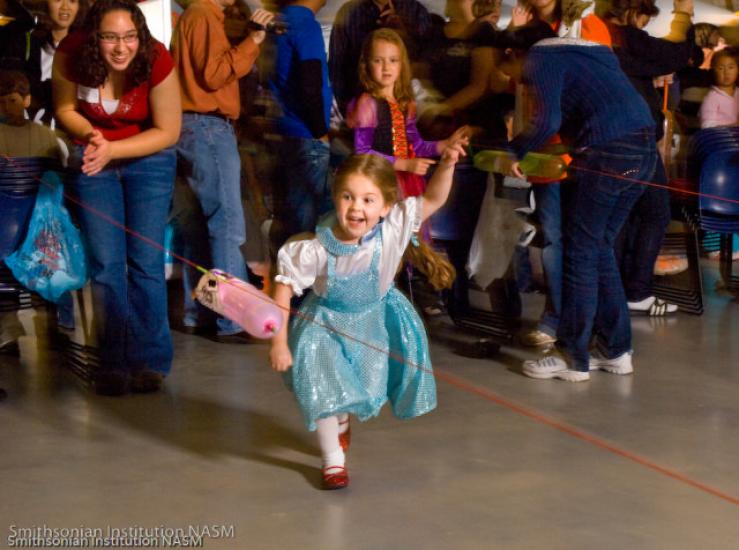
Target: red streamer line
450,379
652,184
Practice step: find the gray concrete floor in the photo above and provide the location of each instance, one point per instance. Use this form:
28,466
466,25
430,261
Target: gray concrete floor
224,445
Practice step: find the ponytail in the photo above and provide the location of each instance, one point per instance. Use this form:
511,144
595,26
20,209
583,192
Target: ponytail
433,265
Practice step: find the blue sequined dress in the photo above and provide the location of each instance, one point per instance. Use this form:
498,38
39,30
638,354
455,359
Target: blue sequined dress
354,347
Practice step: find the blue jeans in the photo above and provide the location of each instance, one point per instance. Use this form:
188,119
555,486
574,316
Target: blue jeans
209,161
641,238
595,206
126,271
305,180
549,210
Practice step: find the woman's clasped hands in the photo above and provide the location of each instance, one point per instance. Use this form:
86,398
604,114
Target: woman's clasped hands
97,154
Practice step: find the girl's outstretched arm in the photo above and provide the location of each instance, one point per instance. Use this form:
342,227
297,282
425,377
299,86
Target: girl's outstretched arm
280,357
440,184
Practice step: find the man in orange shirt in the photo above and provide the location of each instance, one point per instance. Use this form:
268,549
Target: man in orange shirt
209,69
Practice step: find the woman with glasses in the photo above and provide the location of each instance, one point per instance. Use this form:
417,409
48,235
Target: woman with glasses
117,95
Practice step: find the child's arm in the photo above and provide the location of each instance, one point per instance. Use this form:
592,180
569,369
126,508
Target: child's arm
280,357
363,138
461,135
440,184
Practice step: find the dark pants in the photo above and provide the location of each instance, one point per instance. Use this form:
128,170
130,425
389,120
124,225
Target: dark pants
640,239
595,207
305,182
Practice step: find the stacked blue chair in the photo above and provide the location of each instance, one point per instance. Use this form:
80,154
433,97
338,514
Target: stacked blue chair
716,166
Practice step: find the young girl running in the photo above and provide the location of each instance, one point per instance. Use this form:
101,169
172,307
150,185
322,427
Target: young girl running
356,341
384,117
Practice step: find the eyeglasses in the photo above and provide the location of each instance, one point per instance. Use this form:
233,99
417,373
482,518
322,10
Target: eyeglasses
113,38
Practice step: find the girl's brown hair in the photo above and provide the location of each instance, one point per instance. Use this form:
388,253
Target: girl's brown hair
626,11
402,90
437,269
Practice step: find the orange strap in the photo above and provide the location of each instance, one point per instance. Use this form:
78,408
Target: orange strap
664,99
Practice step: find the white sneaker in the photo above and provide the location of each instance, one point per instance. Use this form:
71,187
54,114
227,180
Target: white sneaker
653,307
536,338
617,365
553,366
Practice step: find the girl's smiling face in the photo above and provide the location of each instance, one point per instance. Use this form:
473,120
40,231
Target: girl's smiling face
119,41
359,207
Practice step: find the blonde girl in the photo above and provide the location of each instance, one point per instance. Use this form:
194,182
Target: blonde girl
384,116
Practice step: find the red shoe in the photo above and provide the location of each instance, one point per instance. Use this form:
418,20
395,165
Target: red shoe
345,438
337,479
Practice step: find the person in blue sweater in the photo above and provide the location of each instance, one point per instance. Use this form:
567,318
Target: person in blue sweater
583,94
301,86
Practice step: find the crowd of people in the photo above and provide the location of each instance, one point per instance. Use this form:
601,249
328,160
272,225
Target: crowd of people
370,128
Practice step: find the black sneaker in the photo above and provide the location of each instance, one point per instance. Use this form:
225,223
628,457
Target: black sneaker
146,381
112,383
10,348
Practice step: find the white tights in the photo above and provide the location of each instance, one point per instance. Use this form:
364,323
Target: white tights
328,439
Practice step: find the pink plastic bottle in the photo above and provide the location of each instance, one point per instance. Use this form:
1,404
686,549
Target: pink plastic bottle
248,306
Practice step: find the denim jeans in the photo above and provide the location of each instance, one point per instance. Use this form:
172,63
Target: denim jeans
641,238
305,183
595,206
549,211
126,271
209,161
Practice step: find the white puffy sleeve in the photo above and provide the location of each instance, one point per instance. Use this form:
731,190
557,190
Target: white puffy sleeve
298,264
402,221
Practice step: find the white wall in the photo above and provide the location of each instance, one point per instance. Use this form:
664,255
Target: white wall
158,15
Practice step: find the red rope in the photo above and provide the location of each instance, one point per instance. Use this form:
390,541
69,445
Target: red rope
453,380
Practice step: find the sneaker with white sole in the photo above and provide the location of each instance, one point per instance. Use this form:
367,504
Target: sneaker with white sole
536,338
618,365
553,366
653,307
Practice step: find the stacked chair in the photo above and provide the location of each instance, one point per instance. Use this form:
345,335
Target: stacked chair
20,178
715,165
19,183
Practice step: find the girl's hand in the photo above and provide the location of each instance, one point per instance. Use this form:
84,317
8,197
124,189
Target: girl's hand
280,358
520,16
97,154
516,170
451,154
414,166
461,135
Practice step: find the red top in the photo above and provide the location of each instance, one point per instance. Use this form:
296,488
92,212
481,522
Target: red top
132,115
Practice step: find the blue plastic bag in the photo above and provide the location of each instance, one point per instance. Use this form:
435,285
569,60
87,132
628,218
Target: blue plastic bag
51,260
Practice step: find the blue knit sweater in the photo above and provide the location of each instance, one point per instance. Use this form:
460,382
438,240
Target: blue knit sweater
581,92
